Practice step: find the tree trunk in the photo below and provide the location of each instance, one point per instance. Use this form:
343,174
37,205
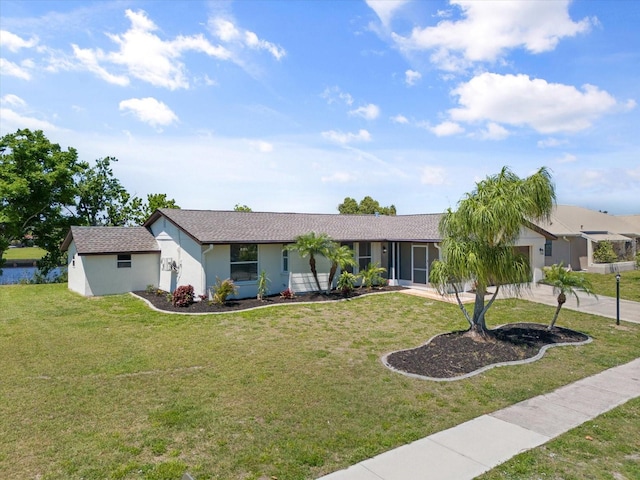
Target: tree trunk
332,274
562,298
312,265
478,327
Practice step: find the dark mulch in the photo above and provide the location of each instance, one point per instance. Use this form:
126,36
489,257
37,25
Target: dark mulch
160,300
457,353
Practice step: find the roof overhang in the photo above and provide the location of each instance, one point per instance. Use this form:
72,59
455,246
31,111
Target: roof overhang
600,237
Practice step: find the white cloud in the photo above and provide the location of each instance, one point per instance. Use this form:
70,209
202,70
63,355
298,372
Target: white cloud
369,112
227,32
521,101
494,132
411,77
551,142
446,129
12,100
13,70
90,60
339,177
261,146
385,9
400,119
147,57
567,158
11,120
345,138
13,42
334,94
489,28
149,110
433,176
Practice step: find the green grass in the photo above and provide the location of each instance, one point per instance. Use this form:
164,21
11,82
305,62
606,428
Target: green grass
25,253
104,388
605,284
608,447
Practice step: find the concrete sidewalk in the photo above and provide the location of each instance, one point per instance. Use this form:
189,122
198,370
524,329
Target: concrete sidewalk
474,447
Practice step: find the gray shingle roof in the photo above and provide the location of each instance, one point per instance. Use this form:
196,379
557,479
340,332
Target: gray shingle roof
210,226
105,240
572,220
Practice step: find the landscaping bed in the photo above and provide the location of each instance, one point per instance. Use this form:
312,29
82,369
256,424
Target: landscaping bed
457,353
159,300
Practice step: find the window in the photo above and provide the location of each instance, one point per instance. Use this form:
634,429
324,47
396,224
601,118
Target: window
364,255
124,260
244,262
349,268
547,248
285,260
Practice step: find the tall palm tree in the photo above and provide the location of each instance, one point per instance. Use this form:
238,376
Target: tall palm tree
565,282
479,238
310,245
340,256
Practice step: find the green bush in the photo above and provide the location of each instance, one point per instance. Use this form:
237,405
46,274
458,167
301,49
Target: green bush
347,282
604,253
222,290
372,275
263,285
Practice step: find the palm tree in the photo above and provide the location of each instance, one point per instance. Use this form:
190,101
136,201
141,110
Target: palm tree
479,238
340,256
310,245
565,282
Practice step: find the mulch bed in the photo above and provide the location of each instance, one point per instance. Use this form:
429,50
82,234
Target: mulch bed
160,300
457,353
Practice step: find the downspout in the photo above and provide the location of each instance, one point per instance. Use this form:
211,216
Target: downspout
204,269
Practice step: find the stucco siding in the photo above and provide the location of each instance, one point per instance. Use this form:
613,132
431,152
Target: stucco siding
103,277
75,269
185,252
535,242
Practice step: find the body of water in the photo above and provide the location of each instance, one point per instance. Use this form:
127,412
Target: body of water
13,275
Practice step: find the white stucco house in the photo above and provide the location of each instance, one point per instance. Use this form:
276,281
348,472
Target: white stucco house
194,247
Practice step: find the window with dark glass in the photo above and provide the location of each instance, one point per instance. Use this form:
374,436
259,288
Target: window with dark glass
124,260
285,260
244,262
364,254
547,248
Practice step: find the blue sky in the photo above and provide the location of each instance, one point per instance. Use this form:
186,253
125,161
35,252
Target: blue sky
294,105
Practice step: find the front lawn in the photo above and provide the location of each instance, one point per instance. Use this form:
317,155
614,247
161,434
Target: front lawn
106,388
605,284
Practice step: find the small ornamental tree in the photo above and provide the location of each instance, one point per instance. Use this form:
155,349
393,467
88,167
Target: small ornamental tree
565,282
310,245
480,236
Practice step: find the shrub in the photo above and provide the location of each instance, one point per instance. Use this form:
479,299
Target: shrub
183,296
372,275
288,294
347,282
604,253
222,290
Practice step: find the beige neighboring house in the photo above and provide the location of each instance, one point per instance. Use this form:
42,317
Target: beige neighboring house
194,247
579,229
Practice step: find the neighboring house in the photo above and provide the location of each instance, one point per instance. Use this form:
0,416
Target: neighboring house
194,247
579,229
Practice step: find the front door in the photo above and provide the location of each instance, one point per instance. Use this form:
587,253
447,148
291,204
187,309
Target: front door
419,262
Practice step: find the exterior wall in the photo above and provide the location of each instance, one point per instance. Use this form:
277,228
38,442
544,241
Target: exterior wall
535,242
75,268
568,250
99,274
185,252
